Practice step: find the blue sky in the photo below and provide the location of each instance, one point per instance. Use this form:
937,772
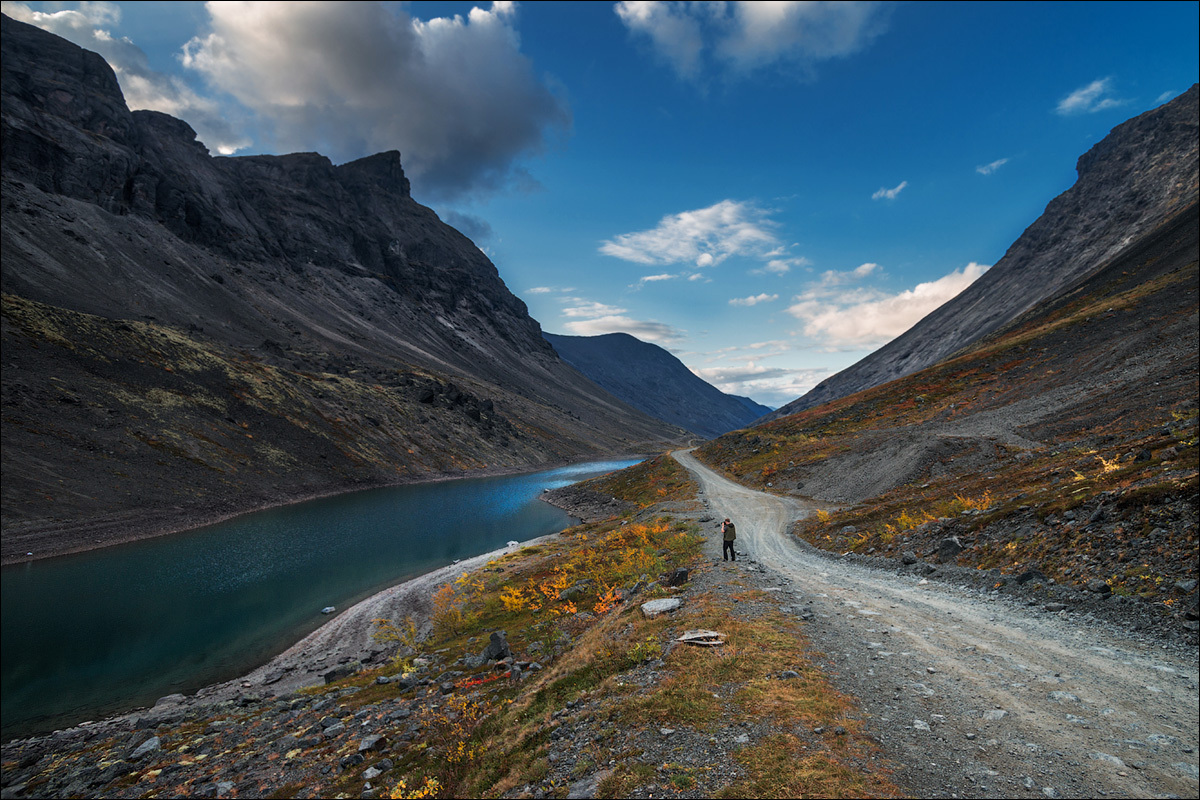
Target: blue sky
769,190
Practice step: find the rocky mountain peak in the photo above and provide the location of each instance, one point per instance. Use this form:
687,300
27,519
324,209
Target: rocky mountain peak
381,171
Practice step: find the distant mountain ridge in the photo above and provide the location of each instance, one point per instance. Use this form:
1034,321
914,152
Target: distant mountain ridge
652,380
187,337
1144,172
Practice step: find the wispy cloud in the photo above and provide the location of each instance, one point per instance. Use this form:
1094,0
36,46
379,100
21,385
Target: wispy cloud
889,194
704,237
645,330
590,318
781,266
832,277
860,318
988,169
656,278
589,309
754,300
740,38
539,290
773,386
1096,96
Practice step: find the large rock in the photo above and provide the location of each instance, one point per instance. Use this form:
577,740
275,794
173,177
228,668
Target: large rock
948,549
497,647
653,608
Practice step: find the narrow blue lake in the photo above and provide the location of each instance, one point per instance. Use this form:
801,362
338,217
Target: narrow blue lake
97,633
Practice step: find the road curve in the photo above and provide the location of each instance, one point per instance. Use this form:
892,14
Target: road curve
971,693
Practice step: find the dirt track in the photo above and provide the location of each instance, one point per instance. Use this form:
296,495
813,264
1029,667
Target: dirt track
972,694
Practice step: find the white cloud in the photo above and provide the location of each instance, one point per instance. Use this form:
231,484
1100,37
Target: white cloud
754,300
1096,96
653,278
772,386
89,27
988,169
590,309
704,237
868,318
746,36
456,96
781,266
645,330
1165,96
539,290
889,194
833,277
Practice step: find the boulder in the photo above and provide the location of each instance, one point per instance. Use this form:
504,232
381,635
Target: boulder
948,549
653,608
497,647
677,577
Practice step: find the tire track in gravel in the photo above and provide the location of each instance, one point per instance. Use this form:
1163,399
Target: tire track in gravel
973,694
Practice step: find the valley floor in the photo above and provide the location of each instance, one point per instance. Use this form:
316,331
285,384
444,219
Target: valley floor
954,690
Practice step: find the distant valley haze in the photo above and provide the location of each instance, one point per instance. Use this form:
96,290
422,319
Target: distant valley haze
768,191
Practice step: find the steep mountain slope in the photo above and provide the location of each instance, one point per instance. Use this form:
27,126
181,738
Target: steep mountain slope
187,336
652,380
1064,443
1144,172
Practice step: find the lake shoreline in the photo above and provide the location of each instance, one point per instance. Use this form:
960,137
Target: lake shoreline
41,541
344,639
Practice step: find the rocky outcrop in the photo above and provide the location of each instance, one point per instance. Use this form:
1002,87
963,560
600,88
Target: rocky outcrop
652,380
1142,174
188,336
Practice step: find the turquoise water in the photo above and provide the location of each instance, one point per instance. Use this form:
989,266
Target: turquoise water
97,633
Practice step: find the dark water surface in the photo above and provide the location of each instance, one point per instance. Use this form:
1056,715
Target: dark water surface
97,633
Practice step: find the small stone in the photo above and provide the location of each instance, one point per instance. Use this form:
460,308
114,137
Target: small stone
370,743
151,745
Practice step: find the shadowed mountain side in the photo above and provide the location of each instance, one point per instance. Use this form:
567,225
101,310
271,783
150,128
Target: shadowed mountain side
186,337
652,380
1144,172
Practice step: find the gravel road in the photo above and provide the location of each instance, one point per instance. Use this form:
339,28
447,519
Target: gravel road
972,694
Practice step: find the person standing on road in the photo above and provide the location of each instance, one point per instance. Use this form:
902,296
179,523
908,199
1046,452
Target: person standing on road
728,533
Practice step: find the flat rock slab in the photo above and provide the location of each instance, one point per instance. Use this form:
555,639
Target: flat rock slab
655,607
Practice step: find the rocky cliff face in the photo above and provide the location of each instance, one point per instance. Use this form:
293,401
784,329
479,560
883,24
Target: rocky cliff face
1141,175
652,380
188,336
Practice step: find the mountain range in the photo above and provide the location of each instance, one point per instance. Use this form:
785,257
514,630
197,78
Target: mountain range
187,337
650,379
